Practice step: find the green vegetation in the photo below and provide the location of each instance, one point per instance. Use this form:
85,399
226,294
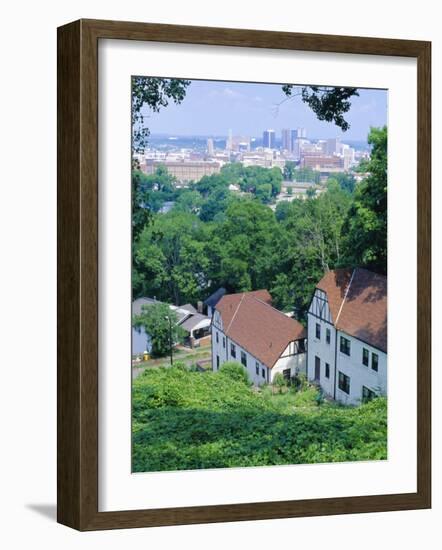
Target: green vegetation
153,93
215,237
365,227
160,322
189,420
329,103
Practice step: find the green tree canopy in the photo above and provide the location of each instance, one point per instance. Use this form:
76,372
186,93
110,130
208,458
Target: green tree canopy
153,93
365,227
160,324
329,103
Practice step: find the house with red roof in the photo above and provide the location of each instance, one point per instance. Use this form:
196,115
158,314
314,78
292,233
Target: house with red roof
248,329
347,335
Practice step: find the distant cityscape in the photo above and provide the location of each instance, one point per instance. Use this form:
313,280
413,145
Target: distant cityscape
191,158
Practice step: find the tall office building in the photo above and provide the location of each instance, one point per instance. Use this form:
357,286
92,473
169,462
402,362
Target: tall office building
229,142
286,138
268,139
301,133
210,147
333,146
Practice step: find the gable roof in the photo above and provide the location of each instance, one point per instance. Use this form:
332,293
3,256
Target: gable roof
250,321
358,304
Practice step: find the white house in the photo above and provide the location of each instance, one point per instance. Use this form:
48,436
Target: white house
347,335
246,328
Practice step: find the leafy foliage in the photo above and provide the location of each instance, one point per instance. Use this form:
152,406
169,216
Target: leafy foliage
327,102
189,420
365,227
159,322
153,93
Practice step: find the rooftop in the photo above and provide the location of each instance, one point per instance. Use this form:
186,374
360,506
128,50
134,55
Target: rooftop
358,304
250,321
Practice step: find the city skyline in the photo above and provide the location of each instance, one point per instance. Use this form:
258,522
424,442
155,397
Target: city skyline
212,108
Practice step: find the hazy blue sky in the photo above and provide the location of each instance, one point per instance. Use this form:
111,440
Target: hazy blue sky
211,108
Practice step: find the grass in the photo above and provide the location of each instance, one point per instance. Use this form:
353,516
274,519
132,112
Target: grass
189,420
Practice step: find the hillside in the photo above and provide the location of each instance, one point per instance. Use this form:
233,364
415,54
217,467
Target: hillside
188,420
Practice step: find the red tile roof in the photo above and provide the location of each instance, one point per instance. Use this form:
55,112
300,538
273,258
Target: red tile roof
250,321
358,304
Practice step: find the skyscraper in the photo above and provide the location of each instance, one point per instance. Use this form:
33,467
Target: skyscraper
301,133
268,139
229,141
333,146
286,138
301,137
210,148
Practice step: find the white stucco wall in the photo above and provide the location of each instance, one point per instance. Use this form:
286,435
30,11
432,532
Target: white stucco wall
325,352
224,354
296,363
360,375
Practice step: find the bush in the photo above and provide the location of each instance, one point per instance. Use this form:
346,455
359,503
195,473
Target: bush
235,371
279,381
188,420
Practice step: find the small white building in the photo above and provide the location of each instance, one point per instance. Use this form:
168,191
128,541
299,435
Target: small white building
347,335
247,329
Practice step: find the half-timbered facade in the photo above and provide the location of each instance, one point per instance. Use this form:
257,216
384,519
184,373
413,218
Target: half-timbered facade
247,329
347,335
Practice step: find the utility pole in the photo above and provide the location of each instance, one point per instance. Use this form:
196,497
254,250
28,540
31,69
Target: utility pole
170,339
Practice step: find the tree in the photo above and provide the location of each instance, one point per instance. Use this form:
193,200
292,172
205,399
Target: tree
140,200
345,180
189,201
154,93
365,228
289,170
264,192
217,202
170,258
160,324
327,102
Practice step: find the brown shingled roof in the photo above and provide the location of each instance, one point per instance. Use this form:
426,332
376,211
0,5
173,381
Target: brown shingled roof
358,304
250,321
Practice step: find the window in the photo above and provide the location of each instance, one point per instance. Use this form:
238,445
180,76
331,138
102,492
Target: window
217,362
317,368
344,382
232,350
217,337
327,370
244,358
257,368
365,356
263,373
345,346
327,335
374,361
367,394
286,373
224,342
318,331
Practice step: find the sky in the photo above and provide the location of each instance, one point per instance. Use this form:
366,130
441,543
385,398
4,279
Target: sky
214,107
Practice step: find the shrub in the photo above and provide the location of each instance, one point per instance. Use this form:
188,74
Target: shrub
279,381
235,371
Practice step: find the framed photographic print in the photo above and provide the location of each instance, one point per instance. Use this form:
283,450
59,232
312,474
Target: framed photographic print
243,275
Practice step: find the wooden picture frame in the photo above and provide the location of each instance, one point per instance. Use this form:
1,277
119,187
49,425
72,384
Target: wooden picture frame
78,274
